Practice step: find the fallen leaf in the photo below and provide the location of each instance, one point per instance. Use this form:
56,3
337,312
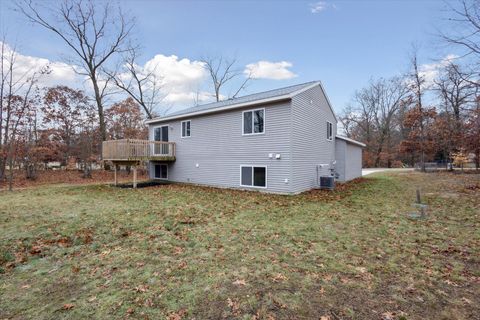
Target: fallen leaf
177,315
388,315
279,277
239,282
361,269
68,306
141,288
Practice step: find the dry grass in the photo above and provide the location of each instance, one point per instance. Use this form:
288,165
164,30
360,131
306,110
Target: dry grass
49,177
182,251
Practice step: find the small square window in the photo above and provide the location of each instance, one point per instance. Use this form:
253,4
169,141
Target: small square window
254,121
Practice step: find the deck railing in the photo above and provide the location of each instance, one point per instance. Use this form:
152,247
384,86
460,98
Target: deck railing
136,150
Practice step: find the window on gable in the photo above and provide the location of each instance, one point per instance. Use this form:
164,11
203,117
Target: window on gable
329,131
186,129
253,176
254,121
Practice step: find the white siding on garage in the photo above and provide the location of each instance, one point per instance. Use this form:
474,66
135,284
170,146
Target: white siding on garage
216,149
310,147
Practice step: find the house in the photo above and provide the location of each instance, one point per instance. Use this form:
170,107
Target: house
279,141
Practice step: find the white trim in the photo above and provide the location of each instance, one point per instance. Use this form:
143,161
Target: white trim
328,100
331,133
153,136
254,166
253,122
313,85
358,143
159,164
181,129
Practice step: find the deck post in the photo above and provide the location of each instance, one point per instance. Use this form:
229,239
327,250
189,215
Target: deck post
135,176
115,173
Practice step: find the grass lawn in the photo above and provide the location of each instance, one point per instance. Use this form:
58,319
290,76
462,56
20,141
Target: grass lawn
182,252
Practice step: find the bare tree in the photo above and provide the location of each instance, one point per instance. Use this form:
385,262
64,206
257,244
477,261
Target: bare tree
418,87
96,32
372,116
455,90
16,89
465,33
222,71
143,86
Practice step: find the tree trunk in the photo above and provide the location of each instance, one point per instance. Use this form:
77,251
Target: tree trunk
10,178
477,159
31,171
87,171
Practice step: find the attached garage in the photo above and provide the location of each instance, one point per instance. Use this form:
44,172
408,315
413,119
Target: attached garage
348,156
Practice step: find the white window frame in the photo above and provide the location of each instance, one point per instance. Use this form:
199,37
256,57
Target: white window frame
253,176
253,122
159,164
181,128
152,138
329,125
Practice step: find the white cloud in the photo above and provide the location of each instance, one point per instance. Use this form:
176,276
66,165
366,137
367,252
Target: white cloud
430,71
269,70
181,79
59,73
320,6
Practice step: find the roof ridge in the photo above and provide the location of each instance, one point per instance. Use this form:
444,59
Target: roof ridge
281,88
259,92
277,93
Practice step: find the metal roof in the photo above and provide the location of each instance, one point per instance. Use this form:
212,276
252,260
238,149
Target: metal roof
261,97
358,143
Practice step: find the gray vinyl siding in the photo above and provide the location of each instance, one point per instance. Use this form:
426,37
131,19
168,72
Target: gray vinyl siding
349,160
340,150
219,148
353,162
310,147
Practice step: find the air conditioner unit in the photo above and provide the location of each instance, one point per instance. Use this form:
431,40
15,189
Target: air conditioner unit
327,182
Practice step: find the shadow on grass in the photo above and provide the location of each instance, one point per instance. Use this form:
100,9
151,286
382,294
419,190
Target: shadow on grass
144,184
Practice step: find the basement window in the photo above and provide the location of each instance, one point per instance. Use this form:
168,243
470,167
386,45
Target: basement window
161,171
251,176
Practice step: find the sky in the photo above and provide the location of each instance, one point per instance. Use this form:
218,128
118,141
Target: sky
344,44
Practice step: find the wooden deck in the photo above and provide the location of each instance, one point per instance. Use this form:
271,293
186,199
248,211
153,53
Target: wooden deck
134,150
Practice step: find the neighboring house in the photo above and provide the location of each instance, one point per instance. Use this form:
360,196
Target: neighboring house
278,141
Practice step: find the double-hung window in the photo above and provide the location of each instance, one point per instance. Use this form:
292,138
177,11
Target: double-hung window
186,131
254,121
329,131
252,176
